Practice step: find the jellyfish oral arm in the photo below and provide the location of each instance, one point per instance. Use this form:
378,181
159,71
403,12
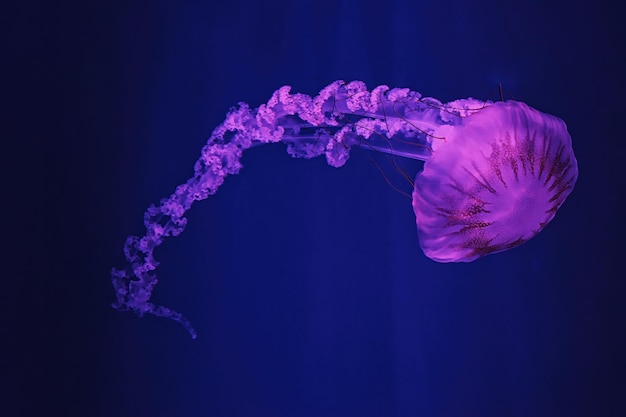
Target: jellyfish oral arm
398,121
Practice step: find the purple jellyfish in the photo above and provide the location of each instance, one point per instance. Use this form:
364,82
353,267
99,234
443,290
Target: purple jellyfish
494,173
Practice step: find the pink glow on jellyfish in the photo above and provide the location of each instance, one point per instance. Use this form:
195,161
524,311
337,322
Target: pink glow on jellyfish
495,173
497,182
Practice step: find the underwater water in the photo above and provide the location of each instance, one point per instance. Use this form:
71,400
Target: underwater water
305,283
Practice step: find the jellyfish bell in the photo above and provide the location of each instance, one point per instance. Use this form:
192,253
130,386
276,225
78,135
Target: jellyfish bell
495,182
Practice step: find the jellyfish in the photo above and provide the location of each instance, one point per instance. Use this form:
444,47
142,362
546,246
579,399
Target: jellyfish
494,174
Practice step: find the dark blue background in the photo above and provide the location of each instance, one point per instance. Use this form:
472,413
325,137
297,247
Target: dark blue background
305,283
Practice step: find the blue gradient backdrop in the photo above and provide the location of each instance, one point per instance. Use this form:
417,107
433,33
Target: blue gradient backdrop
305,283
